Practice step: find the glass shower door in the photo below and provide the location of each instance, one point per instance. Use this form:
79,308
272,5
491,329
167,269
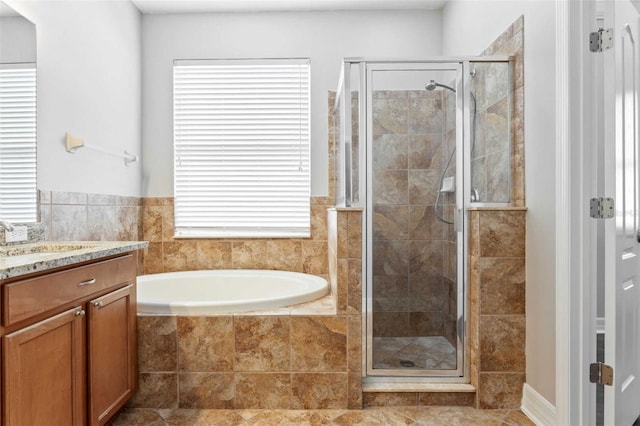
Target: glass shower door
414,178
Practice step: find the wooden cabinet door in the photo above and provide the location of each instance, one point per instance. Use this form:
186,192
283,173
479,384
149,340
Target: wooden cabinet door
112,353
44,372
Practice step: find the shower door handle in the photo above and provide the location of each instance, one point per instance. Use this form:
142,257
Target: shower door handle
458,218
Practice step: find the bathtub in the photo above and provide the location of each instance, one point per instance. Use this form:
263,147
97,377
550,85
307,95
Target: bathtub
225,291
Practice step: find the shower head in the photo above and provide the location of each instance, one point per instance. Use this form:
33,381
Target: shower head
430,86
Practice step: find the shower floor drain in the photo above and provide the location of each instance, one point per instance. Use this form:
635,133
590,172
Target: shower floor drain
407,363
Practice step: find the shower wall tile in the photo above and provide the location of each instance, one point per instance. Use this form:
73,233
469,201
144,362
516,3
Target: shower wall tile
388,287
511,43
390,222
426,323
390,187
390,258
498,176
496,126
391,324
425,116
424,225
429,294
425,151
425,258
423,186
390,115
390,152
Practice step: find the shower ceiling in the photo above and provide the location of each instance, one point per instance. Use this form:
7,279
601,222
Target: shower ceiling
203,6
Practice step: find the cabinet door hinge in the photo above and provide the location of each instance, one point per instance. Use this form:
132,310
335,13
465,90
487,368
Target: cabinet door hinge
601,40
602,208
601,374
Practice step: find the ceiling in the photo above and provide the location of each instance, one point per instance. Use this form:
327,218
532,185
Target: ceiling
204,6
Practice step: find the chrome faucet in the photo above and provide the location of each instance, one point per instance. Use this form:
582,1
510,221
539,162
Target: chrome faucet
6,225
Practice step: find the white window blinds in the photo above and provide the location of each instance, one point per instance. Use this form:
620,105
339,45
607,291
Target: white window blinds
241,148
18,201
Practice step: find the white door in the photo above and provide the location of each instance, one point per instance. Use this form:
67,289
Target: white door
622,254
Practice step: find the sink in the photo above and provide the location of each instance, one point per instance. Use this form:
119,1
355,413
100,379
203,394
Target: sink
41,248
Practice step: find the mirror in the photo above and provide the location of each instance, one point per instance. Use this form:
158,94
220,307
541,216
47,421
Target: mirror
18,194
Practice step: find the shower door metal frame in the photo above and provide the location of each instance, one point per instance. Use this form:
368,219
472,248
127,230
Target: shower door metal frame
460,374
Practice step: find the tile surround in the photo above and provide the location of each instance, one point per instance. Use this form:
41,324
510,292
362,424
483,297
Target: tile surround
166,254
496,311
289,358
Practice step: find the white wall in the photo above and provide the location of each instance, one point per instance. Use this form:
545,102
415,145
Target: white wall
89,68
468,28
17,40
325,37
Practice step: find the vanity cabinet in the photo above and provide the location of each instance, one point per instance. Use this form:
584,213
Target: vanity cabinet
69,345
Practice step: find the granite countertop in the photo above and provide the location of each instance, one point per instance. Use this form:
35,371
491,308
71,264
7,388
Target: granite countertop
24,259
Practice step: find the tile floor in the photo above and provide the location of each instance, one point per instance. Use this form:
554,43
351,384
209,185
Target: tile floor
431,353
426,416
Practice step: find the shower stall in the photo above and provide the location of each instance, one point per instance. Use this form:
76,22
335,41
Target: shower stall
419,143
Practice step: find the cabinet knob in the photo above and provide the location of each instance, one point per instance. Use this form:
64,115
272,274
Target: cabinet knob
80,313
98,304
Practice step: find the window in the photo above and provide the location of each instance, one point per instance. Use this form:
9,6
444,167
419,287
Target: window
241,148
18,199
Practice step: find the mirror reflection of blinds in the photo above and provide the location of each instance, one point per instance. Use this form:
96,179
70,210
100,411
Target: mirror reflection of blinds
241,148
18,201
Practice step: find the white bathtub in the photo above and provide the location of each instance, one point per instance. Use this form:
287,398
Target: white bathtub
225,291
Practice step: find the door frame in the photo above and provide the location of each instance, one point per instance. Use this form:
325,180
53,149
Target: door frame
461,373
576,233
